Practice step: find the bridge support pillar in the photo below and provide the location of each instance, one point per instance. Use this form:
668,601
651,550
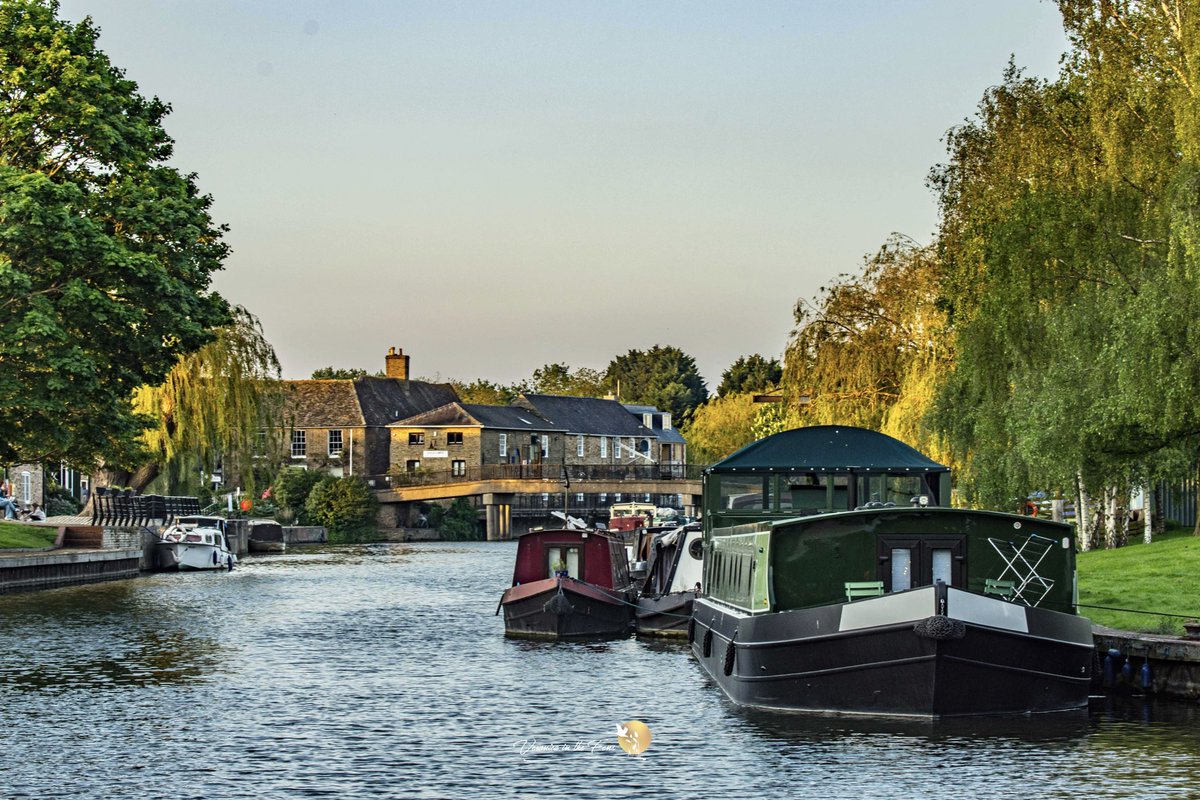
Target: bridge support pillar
498,515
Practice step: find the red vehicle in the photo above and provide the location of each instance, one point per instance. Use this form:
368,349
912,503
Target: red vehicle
568,584
630,516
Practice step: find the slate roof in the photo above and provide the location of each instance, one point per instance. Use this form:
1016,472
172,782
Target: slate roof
833,447
669,435
323,404
362,402
588,415
471,414
385,400
511,417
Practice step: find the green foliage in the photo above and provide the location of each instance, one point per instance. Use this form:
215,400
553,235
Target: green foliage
346,507
59,502
720,427
106,253
485,392
1163,576
1069,237
214,405
750,374
458,522
342,374
664,377
869,349
559,379
291,491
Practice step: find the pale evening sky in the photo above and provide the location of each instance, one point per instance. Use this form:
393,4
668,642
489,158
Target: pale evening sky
494,186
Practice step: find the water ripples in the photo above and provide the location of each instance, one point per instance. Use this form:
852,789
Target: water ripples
381,671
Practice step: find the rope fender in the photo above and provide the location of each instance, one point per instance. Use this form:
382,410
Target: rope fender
940,627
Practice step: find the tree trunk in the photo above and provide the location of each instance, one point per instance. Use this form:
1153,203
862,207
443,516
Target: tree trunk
1083,518
136,480
1148,513
1110,518
1196,530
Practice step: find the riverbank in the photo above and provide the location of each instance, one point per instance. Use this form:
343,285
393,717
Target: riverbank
1162,577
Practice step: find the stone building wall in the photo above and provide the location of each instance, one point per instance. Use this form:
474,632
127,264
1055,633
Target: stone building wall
36,487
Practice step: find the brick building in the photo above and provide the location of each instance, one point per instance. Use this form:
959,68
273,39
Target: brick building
341,426
457,436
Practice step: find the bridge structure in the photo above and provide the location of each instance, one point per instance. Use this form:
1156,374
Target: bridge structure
504,492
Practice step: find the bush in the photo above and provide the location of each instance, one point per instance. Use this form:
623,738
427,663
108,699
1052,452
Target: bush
345,506
59,502
459,522
291,490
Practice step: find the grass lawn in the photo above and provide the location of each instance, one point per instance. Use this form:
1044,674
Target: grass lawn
18,534
1163,576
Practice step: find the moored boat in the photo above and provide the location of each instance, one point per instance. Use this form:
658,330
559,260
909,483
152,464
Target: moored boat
568,583
825,591
266,536
194,543
672,583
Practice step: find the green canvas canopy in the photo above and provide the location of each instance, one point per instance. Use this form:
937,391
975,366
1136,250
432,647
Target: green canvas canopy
837,448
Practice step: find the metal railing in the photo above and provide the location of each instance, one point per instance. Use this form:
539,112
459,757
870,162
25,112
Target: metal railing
560,473
124,508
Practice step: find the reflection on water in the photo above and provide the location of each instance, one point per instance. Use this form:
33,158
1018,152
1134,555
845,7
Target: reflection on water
382,671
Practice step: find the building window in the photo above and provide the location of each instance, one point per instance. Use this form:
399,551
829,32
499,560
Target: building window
416,438
579,497
666,419
604,497
335,444
299,446
458,468
604,447
616,447
545,445
412,465
648,420
503,445
617,497
579,447
454,437
645,446
26,488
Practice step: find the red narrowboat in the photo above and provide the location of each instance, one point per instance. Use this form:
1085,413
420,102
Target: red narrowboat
568,584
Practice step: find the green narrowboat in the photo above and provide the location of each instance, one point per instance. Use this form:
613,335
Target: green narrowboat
838,580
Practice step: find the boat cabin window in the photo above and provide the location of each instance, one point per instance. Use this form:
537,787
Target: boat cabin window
901,569
746,493
812,493
895,489
192,537
906,562
563,560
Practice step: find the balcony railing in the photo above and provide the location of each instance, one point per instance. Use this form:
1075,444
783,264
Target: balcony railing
559,473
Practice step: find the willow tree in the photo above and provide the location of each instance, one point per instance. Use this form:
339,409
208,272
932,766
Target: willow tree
868,350
212,410
1068,237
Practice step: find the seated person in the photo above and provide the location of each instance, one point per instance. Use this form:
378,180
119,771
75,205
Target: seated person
37,514
10,508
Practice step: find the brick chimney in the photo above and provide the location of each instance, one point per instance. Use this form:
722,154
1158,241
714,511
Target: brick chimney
397,363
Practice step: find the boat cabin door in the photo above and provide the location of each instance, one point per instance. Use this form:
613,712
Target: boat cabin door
906,562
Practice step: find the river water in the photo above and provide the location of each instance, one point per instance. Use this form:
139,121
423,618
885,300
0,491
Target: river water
381,671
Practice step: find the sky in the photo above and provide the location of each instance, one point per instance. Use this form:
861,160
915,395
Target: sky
494,186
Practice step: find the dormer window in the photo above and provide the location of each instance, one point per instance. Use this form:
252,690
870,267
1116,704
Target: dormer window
666,420
648,420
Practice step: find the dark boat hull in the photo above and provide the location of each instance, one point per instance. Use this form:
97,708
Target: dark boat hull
666,615
891,657
562,608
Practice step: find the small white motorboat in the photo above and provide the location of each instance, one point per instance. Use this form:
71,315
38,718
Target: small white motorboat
194,543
